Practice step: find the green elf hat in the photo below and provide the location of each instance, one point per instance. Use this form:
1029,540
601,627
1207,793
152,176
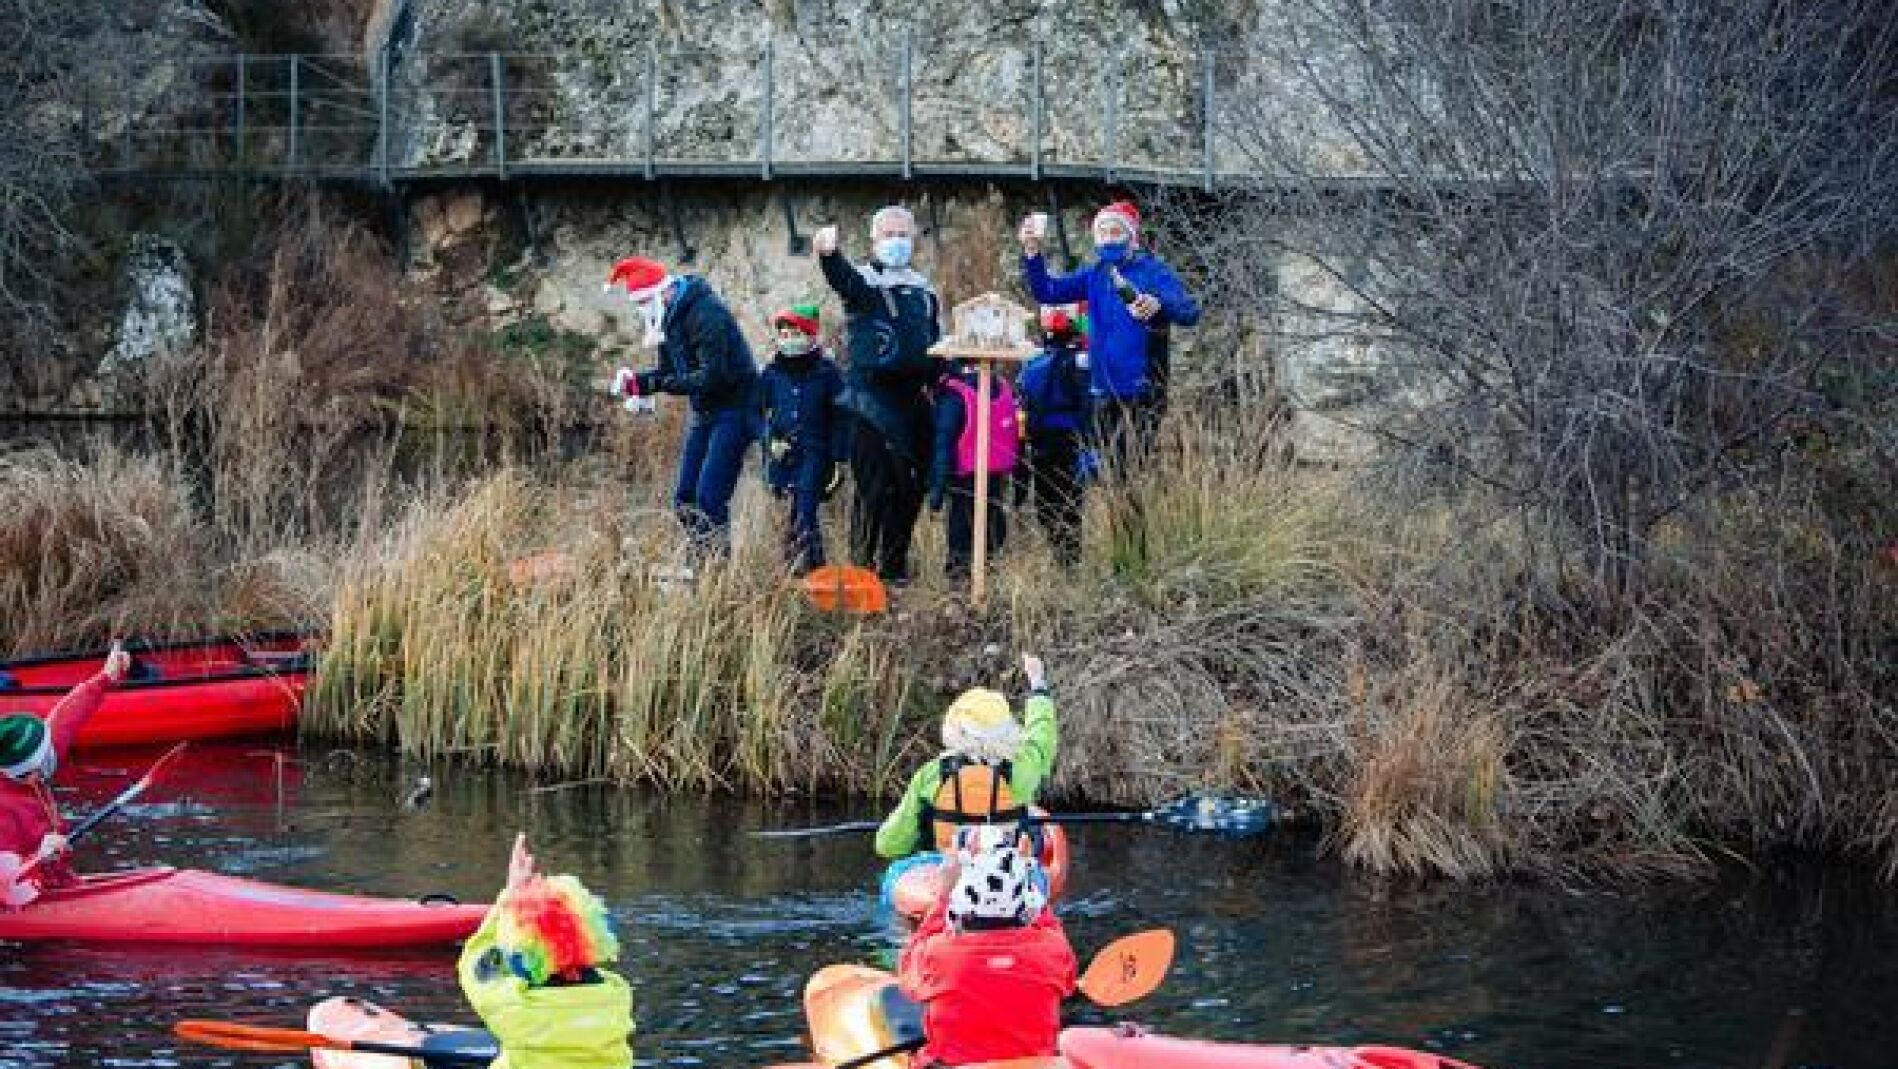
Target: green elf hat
25,744
804,317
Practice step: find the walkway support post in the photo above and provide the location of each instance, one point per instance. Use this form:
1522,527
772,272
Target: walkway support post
382,117
765,120
1038,119
500,115
1206,111
907,120
296,103
652,110
238,124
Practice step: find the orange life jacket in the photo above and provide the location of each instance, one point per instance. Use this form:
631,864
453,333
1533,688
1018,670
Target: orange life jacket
971,793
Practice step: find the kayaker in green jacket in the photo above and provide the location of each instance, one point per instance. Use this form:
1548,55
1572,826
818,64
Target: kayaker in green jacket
988,773
539,973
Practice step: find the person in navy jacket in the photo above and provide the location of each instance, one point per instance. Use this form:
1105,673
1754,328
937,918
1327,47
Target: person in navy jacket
703,356
1134,300
1055,402
804,433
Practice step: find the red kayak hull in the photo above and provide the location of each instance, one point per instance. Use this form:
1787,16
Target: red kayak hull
1111,1048
216,688
165,905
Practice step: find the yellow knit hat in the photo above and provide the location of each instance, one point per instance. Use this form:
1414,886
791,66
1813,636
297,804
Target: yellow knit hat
980,724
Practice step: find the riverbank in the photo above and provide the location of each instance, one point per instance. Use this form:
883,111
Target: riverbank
1406,679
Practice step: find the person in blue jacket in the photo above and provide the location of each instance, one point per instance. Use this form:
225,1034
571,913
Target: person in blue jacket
703,356
803,430
1134,300
1055,400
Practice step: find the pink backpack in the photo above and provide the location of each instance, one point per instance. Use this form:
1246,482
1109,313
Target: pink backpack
1004,428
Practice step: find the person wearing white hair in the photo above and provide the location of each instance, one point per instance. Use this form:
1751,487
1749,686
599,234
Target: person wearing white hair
988,773
990,963
892,317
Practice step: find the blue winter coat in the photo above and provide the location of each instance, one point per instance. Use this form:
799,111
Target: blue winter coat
1054,391
798,403
1123,350
705,355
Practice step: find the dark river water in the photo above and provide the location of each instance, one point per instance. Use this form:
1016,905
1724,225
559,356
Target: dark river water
1767,970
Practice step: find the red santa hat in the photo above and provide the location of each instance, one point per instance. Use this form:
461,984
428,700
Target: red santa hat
642,278
1125,212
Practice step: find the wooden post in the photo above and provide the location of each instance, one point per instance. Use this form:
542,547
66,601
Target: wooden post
989,330
652,110
984,378
766,115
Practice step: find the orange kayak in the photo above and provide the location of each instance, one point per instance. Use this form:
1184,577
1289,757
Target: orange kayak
355,1019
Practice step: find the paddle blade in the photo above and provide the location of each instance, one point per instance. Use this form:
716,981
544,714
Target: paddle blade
846,588
1128,968
1235,817
233,1036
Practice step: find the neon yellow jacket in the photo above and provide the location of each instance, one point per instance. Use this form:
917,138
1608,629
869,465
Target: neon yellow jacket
901,833
576,1026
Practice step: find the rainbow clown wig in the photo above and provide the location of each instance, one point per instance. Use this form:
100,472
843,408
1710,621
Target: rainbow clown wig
552,928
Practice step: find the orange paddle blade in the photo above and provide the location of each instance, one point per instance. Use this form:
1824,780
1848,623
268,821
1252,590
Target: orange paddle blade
846,587
1129,968
233,1036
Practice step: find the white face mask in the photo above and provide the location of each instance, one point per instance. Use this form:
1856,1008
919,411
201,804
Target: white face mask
653,314
798,346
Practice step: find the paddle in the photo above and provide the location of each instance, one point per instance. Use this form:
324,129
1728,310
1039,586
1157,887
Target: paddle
233,1036
13,870
1126,969
846,588
1238,817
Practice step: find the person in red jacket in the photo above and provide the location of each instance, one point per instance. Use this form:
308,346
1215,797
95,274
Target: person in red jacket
990,963
30,752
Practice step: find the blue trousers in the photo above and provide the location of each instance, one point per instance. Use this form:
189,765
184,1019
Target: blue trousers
709,463
801,486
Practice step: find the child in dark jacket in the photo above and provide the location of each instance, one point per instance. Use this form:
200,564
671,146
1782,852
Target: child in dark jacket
990,963
804,431
952,463
1056,406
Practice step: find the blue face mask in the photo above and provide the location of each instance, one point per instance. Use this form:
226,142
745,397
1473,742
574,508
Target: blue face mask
894,252
1112,252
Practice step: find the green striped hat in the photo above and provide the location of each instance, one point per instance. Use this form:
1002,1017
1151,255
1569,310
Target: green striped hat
25,745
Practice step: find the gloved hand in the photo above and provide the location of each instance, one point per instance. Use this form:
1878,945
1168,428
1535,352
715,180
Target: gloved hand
1035,671
625,383
52,844
834,480
777,448
824,242
118,662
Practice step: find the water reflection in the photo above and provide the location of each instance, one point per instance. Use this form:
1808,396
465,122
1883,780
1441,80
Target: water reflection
721,930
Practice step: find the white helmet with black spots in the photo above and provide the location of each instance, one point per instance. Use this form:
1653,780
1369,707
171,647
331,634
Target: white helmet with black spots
998,883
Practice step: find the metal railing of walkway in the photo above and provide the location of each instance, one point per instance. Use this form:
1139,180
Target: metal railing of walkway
521,116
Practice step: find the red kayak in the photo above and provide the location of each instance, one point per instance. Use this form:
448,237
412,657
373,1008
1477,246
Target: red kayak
166,905
854,1010
215,688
